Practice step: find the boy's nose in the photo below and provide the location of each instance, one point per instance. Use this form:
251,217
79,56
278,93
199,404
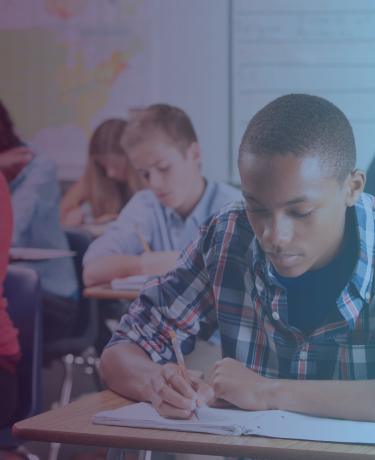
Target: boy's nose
277,231
155,181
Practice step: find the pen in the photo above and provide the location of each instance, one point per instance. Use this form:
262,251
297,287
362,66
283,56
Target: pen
146,247
181,364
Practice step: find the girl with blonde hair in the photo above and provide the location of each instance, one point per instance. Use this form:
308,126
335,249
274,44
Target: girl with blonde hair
109,180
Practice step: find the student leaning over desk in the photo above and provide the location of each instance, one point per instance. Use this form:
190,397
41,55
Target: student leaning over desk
303,220
109,180
35,196
162,146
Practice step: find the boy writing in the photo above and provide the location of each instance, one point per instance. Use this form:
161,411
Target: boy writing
286,275
162,145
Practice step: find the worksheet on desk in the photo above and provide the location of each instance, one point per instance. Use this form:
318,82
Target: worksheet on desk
324,48
234,422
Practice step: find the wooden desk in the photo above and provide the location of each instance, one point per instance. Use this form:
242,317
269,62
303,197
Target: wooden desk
37,254
104,291
71,424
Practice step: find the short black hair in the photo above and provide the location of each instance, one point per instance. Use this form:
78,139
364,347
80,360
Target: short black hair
303,125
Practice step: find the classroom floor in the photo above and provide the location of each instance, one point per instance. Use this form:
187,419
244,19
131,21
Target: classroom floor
202,359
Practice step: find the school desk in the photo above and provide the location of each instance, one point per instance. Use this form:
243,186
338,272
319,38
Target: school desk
71,424
37,254
104,291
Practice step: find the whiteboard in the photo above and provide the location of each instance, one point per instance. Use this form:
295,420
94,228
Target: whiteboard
324,48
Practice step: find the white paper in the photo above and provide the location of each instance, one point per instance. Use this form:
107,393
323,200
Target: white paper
143,415
234,422
291,425
131,283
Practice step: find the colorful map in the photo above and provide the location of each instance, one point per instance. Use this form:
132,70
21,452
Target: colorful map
67,65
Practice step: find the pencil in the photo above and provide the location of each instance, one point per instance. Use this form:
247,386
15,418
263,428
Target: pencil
181,363
146,247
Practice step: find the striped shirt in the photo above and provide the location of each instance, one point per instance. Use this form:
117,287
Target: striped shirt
223,280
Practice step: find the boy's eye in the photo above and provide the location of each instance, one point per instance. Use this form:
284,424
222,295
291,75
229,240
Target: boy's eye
295,214
100,167
253,210
302,216
163,168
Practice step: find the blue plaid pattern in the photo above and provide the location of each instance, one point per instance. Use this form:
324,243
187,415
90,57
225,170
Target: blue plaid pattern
223,280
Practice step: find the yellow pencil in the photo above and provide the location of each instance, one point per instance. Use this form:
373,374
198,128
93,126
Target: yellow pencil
181,363
146,247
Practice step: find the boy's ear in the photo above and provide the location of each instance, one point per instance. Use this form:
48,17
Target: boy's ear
354,184
195,151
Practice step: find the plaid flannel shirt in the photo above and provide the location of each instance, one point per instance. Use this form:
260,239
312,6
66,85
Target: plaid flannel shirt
223,280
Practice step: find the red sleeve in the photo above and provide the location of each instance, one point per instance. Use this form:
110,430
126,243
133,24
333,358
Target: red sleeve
8,333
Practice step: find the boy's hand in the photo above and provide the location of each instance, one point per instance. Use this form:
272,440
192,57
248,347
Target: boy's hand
235,384
158,262
73,218
172,397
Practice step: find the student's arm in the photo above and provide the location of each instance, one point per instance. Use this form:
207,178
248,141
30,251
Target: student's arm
70,213
119,252
128,371
106,268
136,362
352,400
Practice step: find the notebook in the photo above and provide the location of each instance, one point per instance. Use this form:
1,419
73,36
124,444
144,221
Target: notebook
235,422
131,283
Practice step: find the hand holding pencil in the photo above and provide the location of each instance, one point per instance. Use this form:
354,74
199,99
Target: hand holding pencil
181,363
172,396
155,263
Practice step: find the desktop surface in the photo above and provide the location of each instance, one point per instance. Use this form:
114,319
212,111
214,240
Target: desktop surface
71,424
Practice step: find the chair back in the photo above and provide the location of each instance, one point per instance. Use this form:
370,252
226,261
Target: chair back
23,292
86,330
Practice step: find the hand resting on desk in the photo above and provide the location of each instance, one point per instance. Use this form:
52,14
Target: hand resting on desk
158,263
106,268
248,390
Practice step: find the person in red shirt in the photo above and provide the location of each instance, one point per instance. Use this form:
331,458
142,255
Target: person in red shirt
9,346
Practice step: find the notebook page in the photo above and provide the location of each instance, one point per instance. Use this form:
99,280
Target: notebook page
212,420
130,283
234,422
291,425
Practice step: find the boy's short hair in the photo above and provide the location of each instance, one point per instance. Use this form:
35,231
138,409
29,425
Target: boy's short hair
303,125
171,122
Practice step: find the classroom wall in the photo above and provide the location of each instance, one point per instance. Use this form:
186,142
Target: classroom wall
187,65
193,73
81,63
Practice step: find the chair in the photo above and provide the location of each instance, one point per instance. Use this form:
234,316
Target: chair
23,292
85,332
